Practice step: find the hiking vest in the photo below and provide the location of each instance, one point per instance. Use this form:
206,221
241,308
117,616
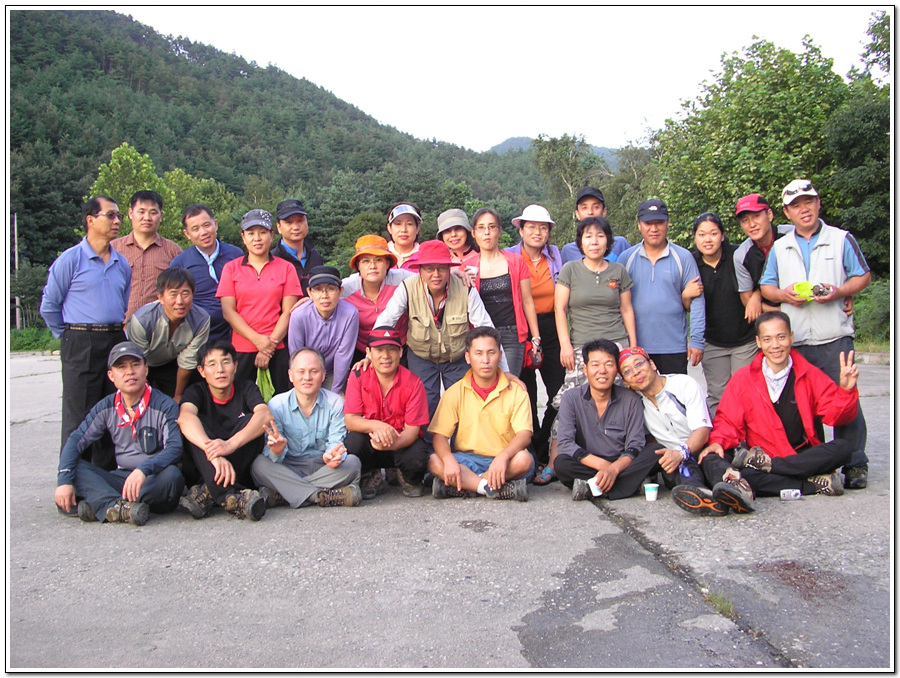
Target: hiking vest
813,323
444,345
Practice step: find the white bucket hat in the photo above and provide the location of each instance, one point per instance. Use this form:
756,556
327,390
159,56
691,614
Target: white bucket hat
533,213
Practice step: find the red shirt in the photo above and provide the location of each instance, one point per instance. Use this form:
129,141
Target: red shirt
369,312
405,402
258,297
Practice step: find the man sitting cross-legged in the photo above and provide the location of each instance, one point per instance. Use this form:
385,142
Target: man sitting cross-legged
222,421
385,410
492,424
601,431
304,461
777,405
143,423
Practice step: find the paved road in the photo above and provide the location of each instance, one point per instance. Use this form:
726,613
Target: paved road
421,583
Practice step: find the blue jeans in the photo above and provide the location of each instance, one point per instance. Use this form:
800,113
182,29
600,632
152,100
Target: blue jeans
827,358
434,374
101,489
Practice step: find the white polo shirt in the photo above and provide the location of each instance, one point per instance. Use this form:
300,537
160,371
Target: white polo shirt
680,409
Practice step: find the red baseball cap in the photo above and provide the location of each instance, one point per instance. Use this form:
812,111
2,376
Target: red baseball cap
384,336
751,203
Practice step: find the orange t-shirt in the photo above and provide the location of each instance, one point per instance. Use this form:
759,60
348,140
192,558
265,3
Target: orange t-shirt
541,284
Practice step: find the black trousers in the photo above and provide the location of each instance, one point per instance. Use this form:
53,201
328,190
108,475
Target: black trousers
83,356
242,458
787,472
628,482
670,363
412,461
552,374
278,369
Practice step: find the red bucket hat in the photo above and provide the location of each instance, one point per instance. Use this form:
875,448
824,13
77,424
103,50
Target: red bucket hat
433,252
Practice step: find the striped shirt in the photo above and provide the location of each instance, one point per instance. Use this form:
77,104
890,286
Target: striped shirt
146,265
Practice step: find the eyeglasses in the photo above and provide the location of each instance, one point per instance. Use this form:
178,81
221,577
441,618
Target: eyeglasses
112,216
804,187
543,228
636,367
487,229
213,364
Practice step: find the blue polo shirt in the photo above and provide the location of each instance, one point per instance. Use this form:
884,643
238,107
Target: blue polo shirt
82,289
659,317
205,294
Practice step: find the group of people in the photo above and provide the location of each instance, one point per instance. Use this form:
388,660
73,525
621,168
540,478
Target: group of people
258,378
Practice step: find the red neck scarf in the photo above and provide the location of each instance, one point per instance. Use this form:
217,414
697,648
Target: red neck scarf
140,408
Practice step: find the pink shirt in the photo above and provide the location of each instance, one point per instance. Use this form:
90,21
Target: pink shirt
369,311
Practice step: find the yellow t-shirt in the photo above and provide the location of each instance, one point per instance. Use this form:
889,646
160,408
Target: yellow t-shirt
487,425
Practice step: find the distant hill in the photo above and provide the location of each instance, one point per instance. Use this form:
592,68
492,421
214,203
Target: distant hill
524,143
83,82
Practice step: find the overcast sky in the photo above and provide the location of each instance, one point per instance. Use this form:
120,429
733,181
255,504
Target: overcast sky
477,76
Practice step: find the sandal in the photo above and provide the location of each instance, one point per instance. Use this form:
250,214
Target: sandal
544,476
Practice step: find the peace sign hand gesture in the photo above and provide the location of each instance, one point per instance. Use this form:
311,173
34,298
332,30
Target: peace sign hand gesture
275,441
849,371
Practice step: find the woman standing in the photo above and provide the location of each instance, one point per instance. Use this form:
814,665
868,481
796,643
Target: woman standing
404,222
258,292
504,282
454,230
372,287
730,339
544,263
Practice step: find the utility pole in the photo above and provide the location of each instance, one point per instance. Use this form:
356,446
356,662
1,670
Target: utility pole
16,238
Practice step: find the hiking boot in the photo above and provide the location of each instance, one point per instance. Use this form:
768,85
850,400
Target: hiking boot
134,512
755,458
735,493
856,477
247,504
831,485
515,489
85,512
349,495
272,497
441,490
392,476
581,490
410,489
197,501
698,500
372,484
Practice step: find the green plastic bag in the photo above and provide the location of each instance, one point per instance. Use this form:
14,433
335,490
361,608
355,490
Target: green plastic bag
264,381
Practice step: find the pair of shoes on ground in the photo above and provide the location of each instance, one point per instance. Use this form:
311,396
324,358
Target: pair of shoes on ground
349,495
374,483
134,512
514,489
244,504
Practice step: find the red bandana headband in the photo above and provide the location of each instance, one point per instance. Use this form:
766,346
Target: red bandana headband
627,353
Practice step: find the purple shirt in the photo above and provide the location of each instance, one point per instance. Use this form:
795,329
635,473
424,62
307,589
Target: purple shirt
334,338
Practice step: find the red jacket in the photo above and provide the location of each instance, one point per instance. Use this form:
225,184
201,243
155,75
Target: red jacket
746,411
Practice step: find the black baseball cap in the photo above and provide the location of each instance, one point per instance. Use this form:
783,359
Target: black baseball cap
589,192
288,207
653,210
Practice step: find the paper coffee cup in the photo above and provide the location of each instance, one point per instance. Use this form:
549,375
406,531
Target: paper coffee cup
650,491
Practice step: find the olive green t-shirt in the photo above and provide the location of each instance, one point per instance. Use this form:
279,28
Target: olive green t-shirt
594,301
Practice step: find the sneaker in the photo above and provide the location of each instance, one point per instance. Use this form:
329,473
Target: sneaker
755,458
699,500
372,484
349,495
515,489
247,504
410,489
831,485
134,512
441,490
85,512
735,493
856,477
272,497
197,501
580,490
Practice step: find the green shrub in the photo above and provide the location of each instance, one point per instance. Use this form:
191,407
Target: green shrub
32,339
872,312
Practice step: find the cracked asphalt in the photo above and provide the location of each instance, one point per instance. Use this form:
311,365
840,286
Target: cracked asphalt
452,584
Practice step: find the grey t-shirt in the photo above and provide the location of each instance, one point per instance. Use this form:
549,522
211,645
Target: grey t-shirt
595,301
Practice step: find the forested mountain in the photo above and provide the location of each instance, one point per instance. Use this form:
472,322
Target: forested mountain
83,82
524,143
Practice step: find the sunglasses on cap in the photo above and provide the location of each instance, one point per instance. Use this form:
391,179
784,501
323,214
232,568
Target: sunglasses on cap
404,209
803,187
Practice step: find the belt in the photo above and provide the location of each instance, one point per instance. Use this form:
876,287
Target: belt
88,327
